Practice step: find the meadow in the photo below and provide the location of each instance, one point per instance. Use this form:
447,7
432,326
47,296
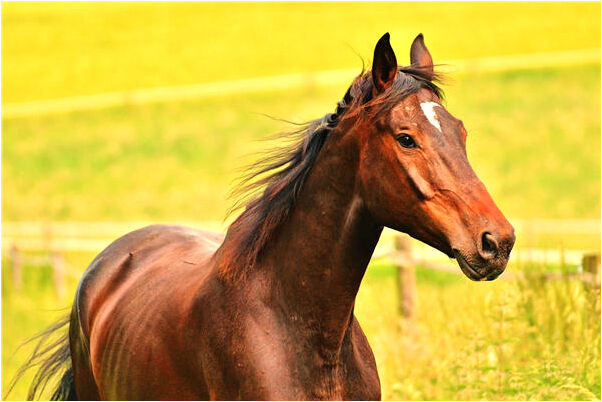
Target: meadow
534,140
526,339
53,50
177,160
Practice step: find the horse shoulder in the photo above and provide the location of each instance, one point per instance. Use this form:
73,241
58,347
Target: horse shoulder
244,348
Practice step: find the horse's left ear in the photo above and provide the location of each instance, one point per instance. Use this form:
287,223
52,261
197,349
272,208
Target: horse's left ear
420,56
384,65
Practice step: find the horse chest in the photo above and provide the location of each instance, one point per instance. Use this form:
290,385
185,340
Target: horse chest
298,379
260,356
282,367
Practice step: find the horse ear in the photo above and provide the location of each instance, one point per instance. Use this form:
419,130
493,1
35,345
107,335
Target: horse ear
420,56
384,65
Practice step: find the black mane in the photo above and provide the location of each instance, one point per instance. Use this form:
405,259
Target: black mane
271,186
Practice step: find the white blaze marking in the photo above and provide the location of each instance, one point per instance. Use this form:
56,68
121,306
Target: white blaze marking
428,108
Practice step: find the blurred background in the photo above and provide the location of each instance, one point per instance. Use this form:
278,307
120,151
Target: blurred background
116,115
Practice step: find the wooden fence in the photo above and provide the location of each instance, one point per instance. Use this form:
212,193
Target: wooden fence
54,239
403,258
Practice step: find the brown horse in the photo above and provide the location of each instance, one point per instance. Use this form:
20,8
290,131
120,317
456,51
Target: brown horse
266,311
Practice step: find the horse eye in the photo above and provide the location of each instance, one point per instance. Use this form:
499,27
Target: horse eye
406,141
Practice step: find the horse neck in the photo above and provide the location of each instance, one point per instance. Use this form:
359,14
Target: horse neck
318,257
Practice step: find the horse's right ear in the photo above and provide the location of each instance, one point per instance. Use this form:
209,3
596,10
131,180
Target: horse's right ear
384,65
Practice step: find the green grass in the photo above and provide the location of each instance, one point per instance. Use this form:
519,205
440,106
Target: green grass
52,50
504,340
539,150
27,311
534,140
526,339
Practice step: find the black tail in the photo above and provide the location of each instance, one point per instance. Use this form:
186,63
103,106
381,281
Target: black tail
66,389
52,356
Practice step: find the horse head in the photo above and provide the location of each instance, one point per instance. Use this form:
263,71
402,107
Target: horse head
414,175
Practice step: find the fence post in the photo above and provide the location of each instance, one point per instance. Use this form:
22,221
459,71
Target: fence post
406,279
58,273
591,264
16,265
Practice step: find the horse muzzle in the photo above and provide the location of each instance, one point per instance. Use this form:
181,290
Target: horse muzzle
488,257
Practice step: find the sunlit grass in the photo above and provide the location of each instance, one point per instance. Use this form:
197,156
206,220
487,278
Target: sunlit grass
52,50
534,140
28,310
525,339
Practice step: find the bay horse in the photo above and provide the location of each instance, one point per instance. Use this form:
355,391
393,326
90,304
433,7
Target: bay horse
266,311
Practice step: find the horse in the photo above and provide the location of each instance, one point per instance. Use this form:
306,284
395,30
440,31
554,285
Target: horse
266,311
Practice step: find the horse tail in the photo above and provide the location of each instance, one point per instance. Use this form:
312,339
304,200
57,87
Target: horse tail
66,389
52,357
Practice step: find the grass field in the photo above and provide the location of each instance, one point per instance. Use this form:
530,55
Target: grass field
53,50
176,160
505,340
95,165
534,140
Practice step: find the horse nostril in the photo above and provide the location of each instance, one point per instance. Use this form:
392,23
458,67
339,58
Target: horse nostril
489,246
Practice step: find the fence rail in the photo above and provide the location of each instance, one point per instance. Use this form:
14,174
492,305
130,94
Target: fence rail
53,239
107,228
95,236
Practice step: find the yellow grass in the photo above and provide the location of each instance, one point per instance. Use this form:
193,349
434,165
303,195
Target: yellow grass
52,50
